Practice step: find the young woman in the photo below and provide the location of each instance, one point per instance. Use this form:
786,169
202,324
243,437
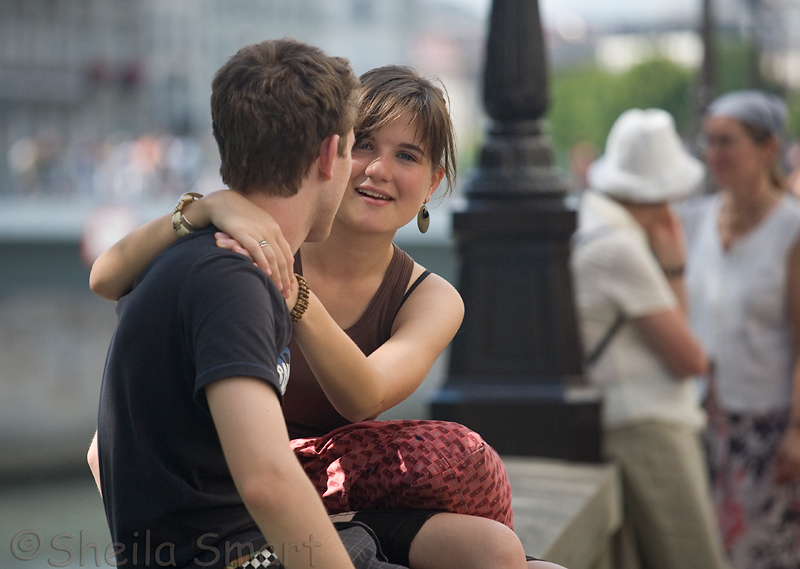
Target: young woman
376,320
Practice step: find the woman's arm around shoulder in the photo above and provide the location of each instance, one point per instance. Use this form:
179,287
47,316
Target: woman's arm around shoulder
361,387
115,270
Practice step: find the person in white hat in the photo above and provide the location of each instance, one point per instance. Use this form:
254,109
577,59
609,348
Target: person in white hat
628,263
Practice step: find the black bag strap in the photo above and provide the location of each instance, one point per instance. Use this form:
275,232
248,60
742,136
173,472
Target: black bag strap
601,346
578,240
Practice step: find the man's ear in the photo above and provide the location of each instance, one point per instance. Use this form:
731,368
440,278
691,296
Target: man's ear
327,156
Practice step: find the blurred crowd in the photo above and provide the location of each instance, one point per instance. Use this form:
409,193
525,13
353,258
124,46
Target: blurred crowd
690,313
120,166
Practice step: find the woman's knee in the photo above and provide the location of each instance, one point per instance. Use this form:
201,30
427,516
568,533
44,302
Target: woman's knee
465,542
503,548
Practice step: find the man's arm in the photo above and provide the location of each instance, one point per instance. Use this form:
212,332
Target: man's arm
273,485
668,332
669,335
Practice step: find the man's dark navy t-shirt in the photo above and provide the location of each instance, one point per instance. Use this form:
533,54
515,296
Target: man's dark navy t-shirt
196,315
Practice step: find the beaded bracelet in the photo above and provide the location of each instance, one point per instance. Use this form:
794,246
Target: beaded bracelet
302,299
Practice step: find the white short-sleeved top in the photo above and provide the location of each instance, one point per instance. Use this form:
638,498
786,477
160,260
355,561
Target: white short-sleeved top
738,303
614,271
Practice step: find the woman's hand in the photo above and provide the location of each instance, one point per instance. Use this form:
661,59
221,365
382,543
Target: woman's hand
225,241
245,228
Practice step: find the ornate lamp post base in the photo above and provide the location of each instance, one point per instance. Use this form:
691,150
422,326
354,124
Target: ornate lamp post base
516,365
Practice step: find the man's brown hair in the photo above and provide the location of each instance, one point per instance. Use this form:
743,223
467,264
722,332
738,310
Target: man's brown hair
272,105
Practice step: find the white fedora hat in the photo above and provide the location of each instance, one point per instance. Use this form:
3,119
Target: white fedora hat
645,161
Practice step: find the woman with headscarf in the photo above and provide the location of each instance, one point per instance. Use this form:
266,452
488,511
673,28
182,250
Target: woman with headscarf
743,278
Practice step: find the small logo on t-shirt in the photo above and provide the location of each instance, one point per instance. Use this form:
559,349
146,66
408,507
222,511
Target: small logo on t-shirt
283,369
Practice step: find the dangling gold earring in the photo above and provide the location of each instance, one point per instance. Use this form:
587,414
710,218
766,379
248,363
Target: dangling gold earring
423,218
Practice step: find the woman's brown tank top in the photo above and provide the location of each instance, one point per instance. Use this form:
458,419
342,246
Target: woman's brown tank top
307,410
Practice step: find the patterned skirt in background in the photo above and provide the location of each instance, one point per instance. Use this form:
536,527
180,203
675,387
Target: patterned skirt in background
759,519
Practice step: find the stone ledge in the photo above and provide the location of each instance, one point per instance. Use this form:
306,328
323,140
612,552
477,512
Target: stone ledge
565,512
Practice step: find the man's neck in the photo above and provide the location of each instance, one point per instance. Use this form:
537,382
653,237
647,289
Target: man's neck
288,212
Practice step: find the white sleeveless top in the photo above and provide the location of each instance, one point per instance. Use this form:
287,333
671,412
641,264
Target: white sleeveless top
738,303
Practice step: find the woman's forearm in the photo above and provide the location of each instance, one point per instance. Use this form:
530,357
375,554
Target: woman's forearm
115,270
362,387
345,374
793,304
787,461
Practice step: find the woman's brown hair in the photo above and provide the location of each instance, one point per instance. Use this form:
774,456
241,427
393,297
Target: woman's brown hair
387,93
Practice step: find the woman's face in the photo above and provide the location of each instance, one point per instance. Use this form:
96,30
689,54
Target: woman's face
732,156
391,177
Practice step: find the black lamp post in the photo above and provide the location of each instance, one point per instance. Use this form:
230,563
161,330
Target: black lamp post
516,372
707,77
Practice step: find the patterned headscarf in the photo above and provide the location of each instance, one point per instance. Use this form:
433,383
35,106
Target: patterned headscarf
755,108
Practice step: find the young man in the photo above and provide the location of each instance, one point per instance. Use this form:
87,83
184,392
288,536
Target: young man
195,464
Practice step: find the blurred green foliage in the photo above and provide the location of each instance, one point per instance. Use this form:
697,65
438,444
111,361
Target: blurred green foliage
585,100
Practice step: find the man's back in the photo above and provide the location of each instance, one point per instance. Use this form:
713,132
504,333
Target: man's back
198,314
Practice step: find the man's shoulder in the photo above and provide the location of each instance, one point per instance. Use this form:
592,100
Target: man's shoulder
197,256
195,270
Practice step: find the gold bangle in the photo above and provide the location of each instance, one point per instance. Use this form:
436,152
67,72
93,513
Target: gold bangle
180,224
302,299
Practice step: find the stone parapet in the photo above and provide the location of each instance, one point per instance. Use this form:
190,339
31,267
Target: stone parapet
565,512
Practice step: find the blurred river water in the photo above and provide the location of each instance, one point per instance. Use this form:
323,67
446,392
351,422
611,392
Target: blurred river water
49,523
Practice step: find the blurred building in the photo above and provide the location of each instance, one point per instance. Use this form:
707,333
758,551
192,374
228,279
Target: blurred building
774,24
770,25
81,82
